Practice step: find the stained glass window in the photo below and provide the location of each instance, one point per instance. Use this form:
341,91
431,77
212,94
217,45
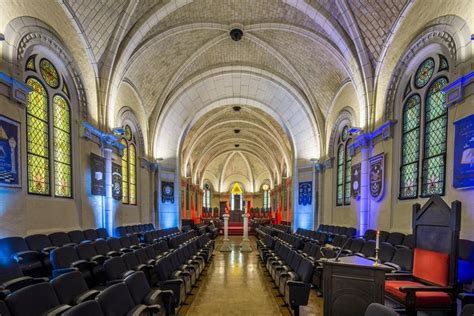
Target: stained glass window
30,64
207,196
125,198
46,101
129,168
425,134
266,196
424,73
343,171
49,73
132,156
65,88
62,147
435,139
410,147
37,118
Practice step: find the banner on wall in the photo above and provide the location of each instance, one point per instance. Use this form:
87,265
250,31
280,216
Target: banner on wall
97,175
167,191
116,181
376,176
463,174
305,193
355,176
9,153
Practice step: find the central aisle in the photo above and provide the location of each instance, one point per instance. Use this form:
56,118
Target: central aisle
236,283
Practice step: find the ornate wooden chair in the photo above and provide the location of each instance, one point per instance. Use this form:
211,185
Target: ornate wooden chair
432,286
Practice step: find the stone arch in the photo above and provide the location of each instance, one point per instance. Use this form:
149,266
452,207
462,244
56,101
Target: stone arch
25,33
346,116
126,116
448,32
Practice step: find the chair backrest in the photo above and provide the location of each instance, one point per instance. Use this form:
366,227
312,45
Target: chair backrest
409,241
370,234
101,247
68,286
9,270
91,234
356,245
125,242
32,300
102,233
436,228
431,266
89,308
386,252
468,310
395,238
369,248
59,239
63,257
305,270
76,236
115,300
86,250
403,257
4,309
38,242
130,259
114,244
138,286
114,268
376,309
12,245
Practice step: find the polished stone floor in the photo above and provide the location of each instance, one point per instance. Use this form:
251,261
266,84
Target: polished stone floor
236,283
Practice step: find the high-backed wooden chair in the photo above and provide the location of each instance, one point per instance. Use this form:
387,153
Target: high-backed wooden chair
433,283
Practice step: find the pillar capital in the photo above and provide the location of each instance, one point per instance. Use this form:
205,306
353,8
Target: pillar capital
459,89
104,139
14,89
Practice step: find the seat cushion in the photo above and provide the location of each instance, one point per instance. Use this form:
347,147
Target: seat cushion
392,288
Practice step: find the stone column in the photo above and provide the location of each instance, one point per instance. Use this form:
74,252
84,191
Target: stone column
364,186
226,247
108,211
245,245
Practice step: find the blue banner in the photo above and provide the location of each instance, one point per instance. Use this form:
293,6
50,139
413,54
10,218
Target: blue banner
9,152
305,194
463,175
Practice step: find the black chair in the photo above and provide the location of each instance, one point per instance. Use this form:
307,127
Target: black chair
42,244
91,234
468,310
31,261
297,287
395,238
466,262
355,247
76,236
102,248
116,300
386,252
368,250
370,234
141,292
116,270
60,239
402,260
71,288
102,233
12,277
408,242
38,299
89,308
65,259
376,309
115,245
4,309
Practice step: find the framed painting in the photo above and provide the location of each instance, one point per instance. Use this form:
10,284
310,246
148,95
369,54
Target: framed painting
10,164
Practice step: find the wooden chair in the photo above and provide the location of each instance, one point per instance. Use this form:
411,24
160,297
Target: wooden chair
432,286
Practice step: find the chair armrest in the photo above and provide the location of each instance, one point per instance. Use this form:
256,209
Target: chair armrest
87,296
4,293
137,310
81,264
411,289
58,310
393,265
48,249
26,256
99,258
124,250
58,272
113,254
466,298
398,275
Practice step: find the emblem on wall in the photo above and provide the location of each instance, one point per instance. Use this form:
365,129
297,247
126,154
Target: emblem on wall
305,193
376,176
167,192
97,175
355,173
9,152
463,175
116,182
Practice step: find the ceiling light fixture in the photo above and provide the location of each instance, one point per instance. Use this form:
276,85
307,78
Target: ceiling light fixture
236,131
236,145
236,108
236,34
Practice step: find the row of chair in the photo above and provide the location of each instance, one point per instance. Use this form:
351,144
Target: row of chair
289,240
331,230
291,271
142,229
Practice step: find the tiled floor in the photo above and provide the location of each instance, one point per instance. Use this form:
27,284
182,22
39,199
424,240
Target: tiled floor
237,284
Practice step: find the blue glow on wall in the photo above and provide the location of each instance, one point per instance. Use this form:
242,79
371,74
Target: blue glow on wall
169,216
303,219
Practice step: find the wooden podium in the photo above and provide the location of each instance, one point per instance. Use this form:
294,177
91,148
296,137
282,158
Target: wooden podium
351,284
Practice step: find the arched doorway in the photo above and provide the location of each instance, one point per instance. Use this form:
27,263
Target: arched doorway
236,203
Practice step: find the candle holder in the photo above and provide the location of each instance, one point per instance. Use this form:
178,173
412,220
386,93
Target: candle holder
376,263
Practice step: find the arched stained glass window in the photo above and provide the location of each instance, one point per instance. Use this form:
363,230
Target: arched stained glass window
37,117
266,196
125,198
207,196
46,101
129,168
425,134
62,145
410,147
344,164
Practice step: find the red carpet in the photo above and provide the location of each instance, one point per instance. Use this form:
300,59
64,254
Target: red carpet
237,229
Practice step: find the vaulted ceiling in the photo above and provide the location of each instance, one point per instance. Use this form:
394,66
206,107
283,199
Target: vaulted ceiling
164,50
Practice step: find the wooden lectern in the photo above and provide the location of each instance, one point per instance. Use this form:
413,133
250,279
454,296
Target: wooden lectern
351,284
